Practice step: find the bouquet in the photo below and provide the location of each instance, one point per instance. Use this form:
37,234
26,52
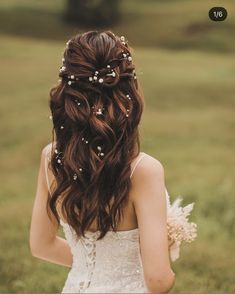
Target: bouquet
178,226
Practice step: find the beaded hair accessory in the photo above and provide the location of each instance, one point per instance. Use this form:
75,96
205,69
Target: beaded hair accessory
97,77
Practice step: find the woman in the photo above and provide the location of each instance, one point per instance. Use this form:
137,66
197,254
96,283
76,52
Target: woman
93,179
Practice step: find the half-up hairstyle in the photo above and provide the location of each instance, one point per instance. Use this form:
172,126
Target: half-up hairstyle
96,108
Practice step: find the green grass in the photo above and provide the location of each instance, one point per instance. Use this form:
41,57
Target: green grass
188,124
178,24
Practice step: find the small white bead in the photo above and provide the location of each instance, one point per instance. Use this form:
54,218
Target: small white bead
99,148
127,110
108,66
63,59
80,169
95,78
127,95
124,55
90,79
96,72
83,139
59,161
86,142
122,38
61,127
101,80
101,154
127,115
129,58
56,151
113,74
69,82
78,103
50,117
75,176
72,77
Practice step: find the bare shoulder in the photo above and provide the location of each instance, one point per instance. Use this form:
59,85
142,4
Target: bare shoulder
148,175
149,166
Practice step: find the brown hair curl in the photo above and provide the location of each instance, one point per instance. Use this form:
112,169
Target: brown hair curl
94,184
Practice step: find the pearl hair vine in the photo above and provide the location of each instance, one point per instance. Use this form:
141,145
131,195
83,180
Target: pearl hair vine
100,153
96,78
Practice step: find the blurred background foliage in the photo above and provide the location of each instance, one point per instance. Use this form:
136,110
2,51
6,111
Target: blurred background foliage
186,66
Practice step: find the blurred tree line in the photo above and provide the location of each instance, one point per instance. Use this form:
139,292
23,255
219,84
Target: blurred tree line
92,12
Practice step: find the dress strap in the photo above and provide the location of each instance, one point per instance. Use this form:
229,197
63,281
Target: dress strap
136,163
46,168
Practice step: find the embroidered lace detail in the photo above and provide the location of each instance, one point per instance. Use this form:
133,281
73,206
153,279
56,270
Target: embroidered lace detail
110,265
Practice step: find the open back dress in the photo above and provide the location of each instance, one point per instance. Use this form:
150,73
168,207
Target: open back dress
110,265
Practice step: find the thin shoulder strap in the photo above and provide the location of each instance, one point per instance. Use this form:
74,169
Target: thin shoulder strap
46,168
136,163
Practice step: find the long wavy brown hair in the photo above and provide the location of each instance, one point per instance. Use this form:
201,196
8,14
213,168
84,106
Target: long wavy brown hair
96,108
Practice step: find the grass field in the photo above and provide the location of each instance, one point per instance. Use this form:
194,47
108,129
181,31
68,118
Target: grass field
188,124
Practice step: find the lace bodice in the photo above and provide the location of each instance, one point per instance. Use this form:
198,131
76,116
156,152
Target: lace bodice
110,265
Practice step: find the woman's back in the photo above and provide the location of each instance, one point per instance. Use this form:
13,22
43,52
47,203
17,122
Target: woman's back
112,264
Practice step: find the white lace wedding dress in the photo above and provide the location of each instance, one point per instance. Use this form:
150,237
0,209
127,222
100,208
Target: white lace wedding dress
110,265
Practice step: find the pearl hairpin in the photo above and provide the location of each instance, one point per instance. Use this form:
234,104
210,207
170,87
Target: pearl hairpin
112,74
95,78
99,112
100,153
83,139
78,103
127,56
62,68
134,73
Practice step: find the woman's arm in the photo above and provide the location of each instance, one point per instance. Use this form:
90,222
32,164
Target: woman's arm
44,242
149,200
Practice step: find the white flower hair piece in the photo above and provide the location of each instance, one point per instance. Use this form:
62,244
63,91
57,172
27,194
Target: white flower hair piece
178,226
